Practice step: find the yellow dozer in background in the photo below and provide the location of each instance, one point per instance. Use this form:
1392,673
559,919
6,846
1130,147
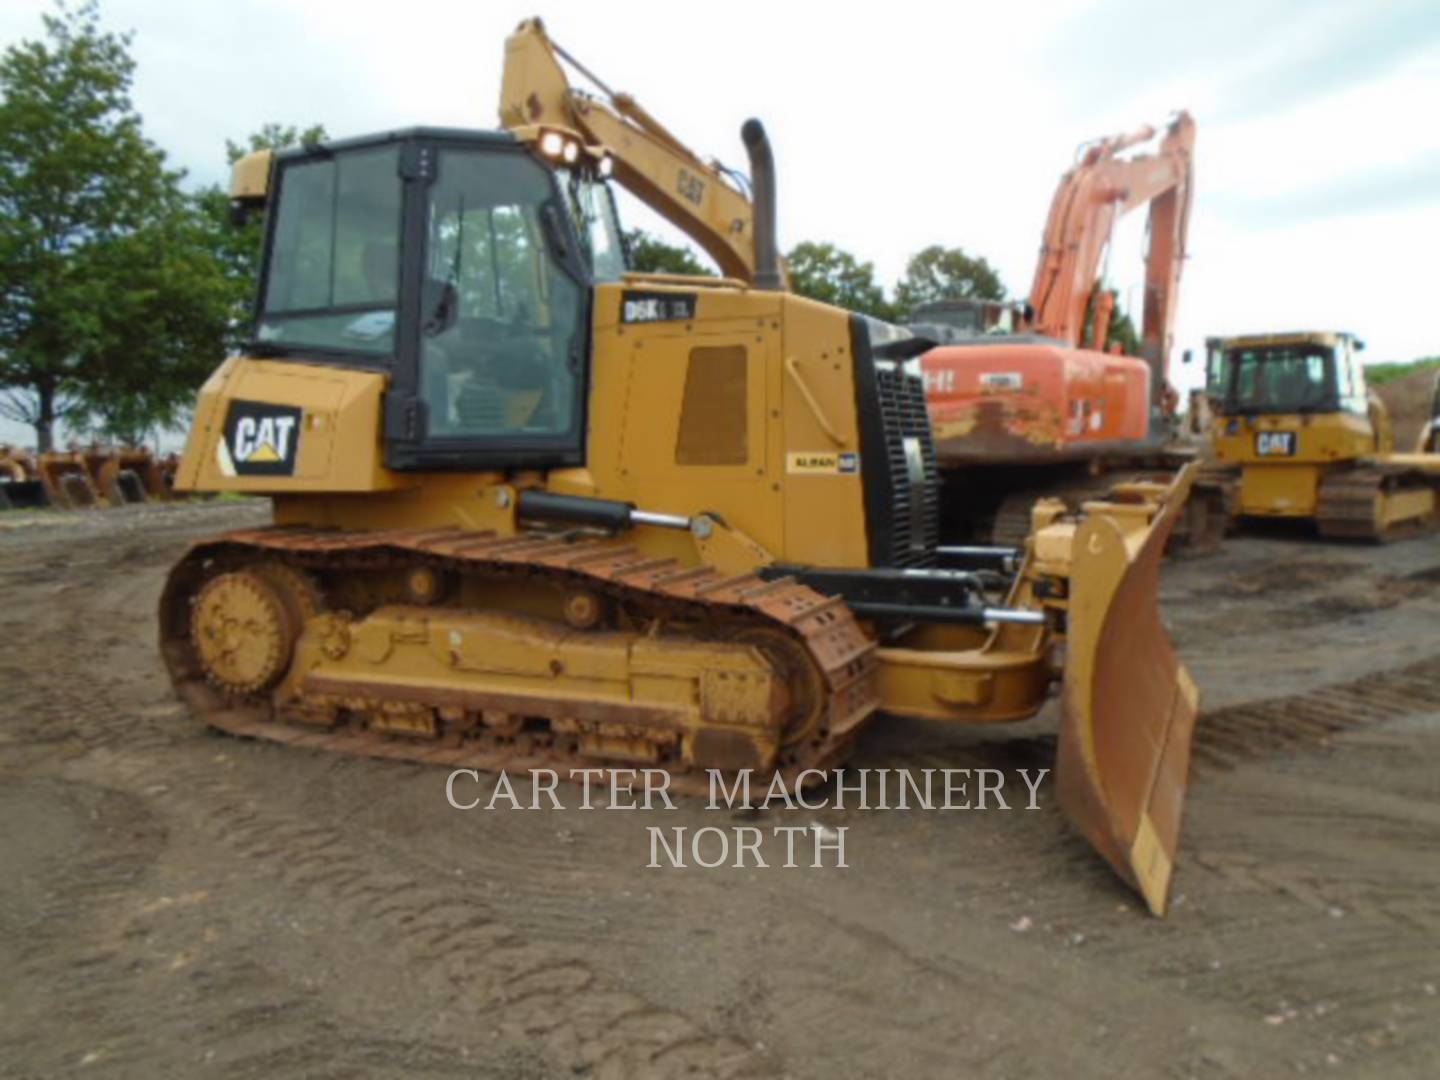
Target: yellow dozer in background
533,510
1292,413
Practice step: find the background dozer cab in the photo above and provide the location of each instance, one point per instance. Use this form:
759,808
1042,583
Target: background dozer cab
1293,415
531,509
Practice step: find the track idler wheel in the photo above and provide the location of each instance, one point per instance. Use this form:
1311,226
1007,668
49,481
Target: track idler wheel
243,630
804,684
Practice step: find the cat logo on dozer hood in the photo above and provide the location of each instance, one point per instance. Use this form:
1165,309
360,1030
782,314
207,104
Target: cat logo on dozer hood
260,439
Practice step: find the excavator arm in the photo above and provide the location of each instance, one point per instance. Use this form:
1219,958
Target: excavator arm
700,198
1100,189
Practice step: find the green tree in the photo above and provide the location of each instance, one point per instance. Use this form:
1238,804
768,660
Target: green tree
823,272
1124,334
940,273
109,305
651,255
164,320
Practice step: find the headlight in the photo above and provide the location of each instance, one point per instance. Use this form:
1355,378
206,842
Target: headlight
551,144
607,166
572,153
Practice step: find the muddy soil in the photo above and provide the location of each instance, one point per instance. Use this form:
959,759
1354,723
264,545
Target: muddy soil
178,903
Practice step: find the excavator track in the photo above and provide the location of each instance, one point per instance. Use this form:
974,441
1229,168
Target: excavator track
289,581
1362,504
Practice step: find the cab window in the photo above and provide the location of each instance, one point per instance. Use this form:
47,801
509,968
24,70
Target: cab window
499,317
334,262
592,205
1354,397
1280,379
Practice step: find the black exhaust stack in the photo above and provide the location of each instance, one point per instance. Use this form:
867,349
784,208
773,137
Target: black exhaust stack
762,183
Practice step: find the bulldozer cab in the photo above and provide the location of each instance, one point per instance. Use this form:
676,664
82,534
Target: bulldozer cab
462,264
1286,374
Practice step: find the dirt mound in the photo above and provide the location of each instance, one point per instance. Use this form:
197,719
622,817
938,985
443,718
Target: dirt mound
1408,400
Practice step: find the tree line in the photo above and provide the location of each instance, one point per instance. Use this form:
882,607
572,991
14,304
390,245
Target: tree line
829,274
120,289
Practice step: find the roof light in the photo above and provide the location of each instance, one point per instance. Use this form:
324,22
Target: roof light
572,153
607,165
551,144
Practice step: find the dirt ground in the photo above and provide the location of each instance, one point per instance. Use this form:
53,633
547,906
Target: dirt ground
179,903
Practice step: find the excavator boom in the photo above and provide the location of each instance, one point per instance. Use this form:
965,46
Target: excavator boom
1100,189
700,198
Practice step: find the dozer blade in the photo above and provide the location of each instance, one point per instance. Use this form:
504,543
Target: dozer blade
1129,706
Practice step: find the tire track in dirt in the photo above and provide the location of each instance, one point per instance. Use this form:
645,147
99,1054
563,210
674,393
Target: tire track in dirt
97,995
443,942
467,964
1224,737
1345,954
450,947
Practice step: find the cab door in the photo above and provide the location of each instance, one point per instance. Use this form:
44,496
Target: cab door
492,371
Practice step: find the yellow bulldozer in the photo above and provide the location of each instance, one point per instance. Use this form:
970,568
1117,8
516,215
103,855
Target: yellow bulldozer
1292,414
534,510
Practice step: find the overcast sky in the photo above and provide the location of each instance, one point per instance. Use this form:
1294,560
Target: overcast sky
900,125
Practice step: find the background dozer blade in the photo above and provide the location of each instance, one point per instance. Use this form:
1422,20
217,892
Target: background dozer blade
1129,706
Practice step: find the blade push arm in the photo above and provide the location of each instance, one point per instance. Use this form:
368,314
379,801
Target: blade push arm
697,197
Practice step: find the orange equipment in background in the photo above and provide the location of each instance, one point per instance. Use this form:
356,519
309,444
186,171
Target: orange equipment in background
1054,393
1043,408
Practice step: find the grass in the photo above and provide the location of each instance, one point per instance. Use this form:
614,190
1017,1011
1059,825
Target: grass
1379,374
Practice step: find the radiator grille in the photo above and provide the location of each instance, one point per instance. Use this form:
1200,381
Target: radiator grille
910,458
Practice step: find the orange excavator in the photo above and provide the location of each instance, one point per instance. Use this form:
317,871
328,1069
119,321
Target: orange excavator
1031,399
